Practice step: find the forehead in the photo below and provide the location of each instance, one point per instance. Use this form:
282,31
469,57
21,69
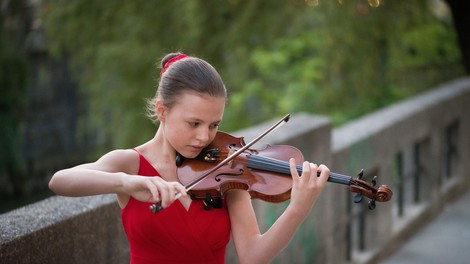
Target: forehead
201,106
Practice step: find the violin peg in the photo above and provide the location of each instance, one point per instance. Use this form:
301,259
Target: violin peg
360,174
371,204
209,155
374,181
357,198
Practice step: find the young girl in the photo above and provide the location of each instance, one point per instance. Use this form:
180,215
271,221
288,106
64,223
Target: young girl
189,105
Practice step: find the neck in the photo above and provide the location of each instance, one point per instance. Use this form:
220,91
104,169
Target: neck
159,149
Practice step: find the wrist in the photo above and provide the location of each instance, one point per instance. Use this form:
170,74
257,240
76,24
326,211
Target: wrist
297,212
122,183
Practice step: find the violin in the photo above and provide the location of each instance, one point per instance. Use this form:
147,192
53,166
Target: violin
228,163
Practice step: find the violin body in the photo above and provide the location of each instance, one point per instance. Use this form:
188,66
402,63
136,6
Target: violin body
238,174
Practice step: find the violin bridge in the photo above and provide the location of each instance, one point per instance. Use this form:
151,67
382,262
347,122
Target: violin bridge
230,152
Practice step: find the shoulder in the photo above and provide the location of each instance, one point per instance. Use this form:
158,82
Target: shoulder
120,160
120,155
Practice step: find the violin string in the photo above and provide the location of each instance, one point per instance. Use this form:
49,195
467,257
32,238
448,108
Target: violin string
254,161
283,167
270,164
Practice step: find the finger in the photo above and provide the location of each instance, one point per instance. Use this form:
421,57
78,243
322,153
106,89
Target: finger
153,188
165,194
293,169
306,171
175,191
180,189
314,168
324,174
316,171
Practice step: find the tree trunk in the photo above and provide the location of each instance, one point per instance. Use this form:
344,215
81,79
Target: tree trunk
461,16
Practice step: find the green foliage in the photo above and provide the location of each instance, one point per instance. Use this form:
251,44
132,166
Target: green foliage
425,56
283,80
341,60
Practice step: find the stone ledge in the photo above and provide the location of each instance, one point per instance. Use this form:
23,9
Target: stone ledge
64,230
40,215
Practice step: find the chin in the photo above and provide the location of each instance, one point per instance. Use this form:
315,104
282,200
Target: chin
190,155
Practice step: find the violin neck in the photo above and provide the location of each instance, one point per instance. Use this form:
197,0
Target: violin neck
283,167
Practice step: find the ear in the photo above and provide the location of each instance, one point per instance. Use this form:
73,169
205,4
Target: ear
160,110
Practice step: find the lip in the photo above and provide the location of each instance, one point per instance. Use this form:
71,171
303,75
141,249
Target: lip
196,148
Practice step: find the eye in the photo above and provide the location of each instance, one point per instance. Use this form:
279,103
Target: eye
193,124
214,126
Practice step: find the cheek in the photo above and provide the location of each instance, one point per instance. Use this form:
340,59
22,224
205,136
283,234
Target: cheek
213,134
178,136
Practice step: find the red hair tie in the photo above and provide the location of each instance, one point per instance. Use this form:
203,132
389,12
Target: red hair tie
171,61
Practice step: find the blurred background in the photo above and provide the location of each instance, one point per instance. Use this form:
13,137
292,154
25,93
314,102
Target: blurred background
75,74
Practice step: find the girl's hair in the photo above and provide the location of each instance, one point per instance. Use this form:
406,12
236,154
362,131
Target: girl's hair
181,75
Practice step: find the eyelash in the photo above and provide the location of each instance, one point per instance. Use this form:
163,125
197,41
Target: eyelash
195,124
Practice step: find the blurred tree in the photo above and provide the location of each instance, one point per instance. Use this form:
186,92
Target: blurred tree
340,59
358,58
115,45
461,20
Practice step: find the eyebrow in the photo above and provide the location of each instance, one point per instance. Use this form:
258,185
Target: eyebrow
195,119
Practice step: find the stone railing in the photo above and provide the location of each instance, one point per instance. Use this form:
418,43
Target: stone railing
418,147
421,148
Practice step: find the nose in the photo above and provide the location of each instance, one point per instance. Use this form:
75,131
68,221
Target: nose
203,135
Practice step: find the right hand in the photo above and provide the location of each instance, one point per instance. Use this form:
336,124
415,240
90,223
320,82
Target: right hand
153,189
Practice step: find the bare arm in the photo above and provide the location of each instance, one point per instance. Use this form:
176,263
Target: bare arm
254,247
115,172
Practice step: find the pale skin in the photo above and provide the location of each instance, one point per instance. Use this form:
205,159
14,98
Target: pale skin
187,127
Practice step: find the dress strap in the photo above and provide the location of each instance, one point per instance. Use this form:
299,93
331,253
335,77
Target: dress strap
134,149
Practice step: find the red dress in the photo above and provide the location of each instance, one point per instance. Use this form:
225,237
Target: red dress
175,235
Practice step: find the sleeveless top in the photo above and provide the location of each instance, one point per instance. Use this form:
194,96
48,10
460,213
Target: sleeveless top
174,235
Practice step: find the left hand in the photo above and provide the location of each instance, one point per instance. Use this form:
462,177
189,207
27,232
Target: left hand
307,187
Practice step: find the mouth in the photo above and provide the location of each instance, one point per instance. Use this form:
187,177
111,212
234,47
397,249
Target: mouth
195,149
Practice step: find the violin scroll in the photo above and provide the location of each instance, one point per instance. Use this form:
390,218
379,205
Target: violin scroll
363,188
384,193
